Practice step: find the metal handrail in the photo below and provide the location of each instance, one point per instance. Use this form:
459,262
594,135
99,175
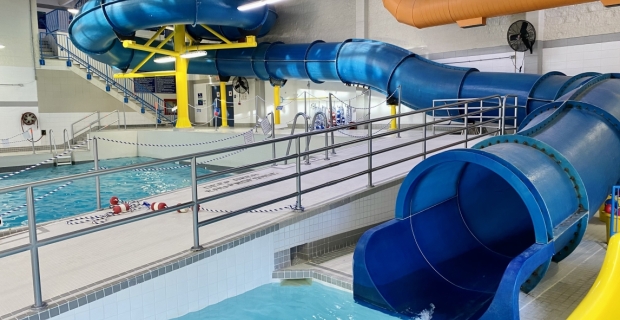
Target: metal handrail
118,120
53,149
35,244
66,140
129,88
73,132
306,118
313,122
237,148
273,136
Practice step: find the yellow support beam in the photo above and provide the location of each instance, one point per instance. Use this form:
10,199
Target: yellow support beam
190,39
163,43
223,104
250,43
393,121
154,37
133,45
215,33
144,74
181,79
276,104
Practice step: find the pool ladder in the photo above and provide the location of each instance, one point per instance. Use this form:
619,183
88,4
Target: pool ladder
65,159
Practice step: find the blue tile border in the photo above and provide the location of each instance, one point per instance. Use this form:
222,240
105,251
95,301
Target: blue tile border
336,280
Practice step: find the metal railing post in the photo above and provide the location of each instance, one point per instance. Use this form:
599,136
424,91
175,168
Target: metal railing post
481,125
98,120
502,128
466,124
67,49
434,118
298,205
34,251
51,147
306,102
118,120
97,178
370,185
32,141
516,114
330,120
424,131
400,94
326,145
195,207
273,136
307,138
256,111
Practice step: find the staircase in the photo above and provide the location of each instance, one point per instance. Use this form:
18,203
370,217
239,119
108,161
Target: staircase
56,47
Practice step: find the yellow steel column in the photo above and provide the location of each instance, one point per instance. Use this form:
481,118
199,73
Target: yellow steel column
181,79
223,104
276,104
393,121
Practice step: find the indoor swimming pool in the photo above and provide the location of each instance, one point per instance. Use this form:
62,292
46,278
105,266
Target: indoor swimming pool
298,300
79,196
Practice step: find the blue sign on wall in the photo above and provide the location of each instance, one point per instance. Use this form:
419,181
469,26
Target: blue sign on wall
156,85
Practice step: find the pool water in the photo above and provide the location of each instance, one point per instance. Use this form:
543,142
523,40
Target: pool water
274,301
79,197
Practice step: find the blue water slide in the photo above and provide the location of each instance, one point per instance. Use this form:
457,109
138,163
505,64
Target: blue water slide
475,226
472,227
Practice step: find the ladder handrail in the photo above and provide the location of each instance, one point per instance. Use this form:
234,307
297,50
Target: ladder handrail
53,149
307,119
66,140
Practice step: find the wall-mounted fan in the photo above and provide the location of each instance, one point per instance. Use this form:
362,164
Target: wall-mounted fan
522,36
29,119
241,85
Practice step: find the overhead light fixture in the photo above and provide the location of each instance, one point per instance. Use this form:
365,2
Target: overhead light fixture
165,60
256,4
73,11
2,47
194,54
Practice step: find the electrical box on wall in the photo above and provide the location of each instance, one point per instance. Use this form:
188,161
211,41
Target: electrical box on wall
43,132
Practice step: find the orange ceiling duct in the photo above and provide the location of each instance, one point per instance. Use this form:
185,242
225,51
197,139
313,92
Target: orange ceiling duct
468,13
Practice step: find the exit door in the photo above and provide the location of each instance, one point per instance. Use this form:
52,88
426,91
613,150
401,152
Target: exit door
230,107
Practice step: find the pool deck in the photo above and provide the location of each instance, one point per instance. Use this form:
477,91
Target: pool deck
72,267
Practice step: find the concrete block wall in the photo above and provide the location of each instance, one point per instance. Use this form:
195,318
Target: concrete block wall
309,20
573,60
581,20
18,84
65,97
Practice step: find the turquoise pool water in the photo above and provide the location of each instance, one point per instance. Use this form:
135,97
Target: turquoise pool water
79,197
274,302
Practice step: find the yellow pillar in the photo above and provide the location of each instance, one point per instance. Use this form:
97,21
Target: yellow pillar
393,121
181,79
276,104
223,104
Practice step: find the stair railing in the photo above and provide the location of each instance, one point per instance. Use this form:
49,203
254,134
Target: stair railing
63,48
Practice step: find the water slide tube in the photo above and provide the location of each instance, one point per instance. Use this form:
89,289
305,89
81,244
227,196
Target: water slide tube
601,301
472,227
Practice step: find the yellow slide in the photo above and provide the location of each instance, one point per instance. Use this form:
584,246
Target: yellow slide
602,300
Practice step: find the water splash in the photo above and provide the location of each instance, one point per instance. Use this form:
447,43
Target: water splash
426,314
